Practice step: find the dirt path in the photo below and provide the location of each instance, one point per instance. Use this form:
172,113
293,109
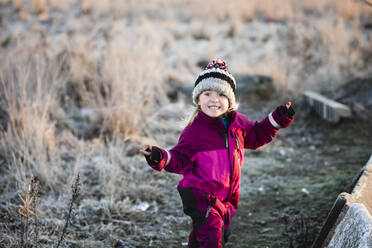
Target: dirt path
288,187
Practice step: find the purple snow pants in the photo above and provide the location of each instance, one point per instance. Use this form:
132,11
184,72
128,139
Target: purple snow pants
208,224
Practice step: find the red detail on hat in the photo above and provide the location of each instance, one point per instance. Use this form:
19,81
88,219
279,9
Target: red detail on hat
217,63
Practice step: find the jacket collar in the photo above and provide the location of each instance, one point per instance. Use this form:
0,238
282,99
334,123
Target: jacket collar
214,120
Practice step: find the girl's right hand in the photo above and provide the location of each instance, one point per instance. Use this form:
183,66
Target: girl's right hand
153,155
147,151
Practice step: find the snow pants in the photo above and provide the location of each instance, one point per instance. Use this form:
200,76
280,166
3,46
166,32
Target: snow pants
209,225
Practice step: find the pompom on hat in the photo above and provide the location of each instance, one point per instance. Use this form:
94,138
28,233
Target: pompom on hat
216,77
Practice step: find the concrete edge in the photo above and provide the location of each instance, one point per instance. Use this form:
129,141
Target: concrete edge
330,222
356,180
339,210
354,229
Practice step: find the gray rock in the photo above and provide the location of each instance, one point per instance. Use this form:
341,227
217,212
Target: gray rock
255,86
248,86
202,63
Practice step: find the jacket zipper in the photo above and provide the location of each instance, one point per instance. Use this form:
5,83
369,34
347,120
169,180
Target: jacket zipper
232,164
208,211
209,204
237,146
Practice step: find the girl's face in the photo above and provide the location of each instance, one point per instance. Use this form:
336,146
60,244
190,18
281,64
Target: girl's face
213,103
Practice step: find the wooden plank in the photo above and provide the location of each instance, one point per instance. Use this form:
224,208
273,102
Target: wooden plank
328,109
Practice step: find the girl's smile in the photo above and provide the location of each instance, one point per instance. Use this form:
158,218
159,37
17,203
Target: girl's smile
213,103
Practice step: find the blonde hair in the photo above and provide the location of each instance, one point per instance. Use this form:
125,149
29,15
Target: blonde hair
194,113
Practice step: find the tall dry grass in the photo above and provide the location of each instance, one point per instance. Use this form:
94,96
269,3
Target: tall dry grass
266,9
277,10
321,43
29,84
120,86
134,77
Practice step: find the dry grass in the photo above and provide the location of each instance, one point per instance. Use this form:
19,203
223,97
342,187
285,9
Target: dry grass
28,210
268,9
28,85
37,91
279,11
22,229
132,86
40,86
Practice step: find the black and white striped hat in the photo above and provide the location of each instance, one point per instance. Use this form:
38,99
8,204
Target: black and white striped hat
216,77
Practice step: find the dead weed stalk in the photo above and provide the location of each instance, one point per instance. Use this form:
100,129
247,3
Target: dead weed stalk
75,195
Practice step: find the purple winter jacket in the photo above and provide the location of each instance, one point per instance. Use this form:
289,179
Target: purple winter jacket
210,156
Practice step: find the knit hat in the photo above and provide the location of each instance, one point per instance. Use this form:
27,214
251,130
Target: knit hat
216,77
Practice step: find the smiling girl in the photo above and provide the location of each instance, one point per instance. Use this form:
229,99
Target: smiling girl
210,153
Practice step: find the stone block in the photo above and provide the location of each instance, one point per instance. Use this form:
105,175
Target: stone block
328,109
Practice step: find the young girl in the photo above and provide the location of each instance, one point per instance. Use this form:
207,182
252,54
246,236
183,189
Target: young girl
210,153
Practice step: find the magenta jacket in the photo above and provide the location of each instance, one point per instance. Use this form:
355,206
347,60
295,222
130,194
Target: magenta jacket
210,157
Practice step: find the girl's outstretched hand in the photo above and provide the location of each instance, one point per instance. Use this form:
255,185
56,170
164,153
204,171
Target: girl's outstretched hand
152,154
288,105
286,110
147,151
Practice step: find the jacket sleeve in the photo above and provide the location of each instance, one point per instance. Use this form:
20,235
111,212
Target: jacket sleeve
177,159
262,132
180,155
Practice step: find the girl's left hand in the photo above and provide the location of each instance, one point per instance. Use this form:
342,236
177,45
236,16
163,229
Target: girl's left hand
289,111
147,151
